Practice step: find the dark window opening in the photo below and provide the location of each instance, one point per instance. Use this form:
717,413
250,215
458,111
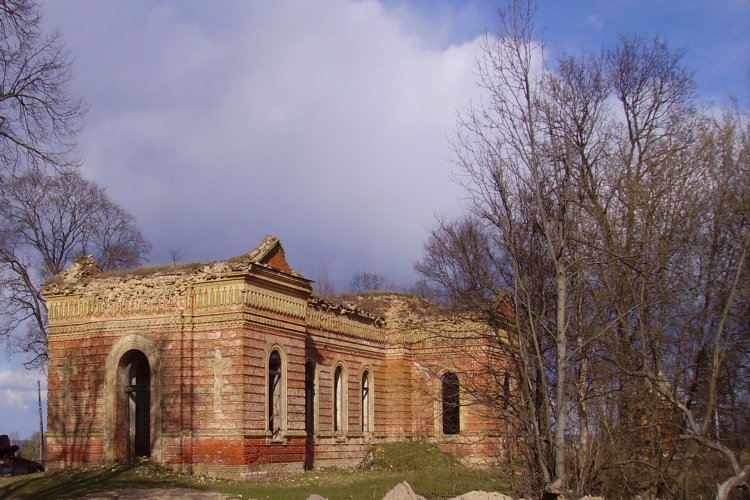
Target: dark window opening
275,422
137,411
451,404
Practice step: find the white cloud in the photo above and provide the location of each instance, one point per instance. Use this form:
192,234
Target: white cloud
18,391
17,399
22,379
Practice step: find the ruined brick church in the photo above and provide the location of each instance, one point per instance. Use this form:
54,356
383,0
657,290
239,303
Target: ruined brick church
235,369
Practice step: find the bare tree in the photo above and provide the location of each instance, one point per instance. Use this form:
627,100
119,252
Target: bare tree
39,118
523,168
613,216
324,284
174,255
46,221
423,290
703,333
29,448
366,282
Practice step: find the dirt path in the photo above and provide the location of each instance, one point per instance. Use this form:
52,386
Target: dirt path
158,494
133,493
12,479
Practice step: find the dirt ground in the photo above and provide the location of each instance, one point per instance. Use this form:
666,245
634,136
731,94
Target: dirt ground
133,493
158,494
12,479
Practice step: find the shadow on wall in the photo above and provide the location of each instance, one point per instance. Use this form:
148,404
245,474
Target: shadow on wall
75,443
313,359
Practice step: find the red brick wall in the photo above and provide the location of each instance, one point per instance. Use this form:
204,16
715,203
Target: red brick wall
405,390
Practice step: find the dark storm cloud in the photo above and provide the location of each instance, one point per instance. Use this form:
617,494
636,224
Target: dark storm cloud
323,123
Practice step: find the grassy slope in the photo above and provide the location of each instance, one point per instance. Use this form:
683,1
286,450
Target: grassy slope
431,473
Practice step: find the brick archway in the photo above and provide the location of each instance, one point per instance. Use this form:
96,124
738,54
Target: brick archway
126,347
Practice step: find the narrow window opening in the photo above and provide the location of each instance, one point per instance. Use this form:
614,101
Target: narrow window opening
451,404
338,400
275,396
366,417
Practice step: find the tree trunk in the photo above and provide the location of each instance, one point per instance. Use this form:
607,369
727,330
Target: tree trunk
561,369
724,489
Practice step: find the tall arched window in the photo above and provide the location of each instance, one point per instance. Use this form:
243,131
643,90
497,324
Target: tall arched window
339,399
276,397
451,403
366,420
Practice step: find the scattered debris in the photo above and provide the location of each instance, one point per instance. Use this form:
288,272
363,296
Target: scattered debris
402,491
482,495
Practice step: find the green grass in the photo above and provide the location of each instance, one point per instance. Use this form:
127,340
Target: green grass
430,472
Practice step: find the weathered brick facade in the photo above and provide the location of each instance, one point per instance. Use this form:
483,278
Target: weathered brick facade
234,369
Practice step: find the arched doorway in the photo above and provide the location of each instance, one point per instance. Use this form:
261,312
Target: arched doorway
134,408
132,361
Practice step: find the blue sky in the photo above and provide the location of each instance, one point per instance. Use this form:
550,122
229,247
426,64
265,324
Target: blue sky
322,122
714,33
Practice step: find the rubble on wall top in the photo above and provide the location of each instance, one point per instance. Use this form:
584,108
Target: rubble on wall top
343,309
402,317
86,269
386,305
390,304
264,248
83,267
411,318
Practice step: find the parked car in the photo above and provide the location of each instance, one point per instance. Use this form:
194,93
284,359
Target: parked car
10,464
